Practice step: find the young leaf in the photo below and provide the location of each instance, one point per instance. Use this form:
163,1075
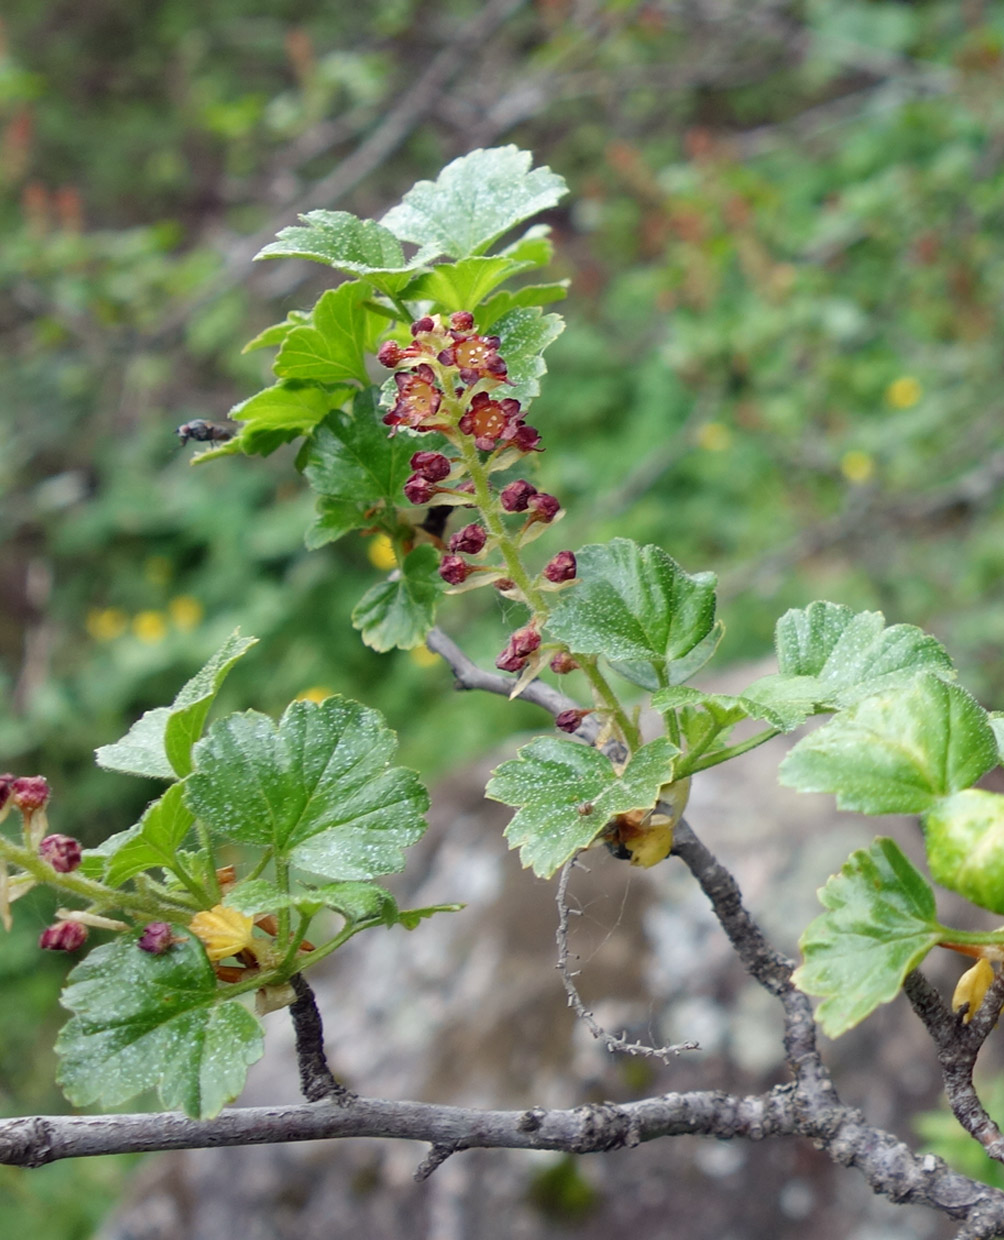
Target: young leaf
356,901
473,201
333,348
190,707
965,846
272,337
463,285
529,295
318,789
411,917
880,923
143,1022
355,468
401,611
361,247
897,752
282,412
524,334
141,751
634,603
568,792
153,841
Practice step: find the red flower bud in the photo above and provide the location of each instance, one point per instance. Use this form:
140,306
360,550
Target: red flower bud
432,466
462,320
569,720
509,661
389,354
64,936
419,490
543,507
470,540
424,324
526,438
61,851
525,641
29,793
561,568
454,570
563,663
156,938
516,495
5,783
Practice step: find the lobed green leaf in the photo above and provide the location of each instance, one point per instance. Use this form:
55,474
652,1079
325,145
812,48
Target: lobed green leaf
153,841
524,334
400,612
880,923
333,348
965,846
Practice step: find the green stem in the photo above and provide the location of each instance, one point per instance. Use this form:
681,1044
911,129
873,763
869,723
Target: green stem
608,699
260,865
282,882
723,755
673,728
283,972
207,844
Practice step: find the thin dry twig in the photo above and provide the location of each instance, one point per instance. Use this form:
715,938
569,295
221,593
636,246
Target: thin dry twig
317,1081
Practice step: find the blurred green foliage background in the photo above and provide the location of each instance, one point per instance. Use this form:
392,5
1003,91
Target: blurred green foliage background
782,359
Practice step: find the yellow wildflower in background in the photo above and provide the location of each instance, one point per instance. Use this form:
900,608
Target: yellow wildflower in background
714,437
186,612
423,656
381,553
317,693
857,466
224,932
903,393
104,624
150,626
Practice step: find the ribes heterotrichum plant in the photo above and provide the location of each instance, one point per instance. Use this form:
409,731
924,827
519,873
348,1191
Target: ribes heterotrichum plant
409,385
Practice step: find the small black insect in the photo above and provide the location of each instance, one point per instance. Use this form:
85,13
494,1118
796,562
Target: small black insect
204,432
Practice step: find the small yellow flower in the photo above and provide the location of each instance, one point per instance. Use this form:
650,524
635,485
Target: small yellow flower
104,624
903,393
972,988
316,693
857,466
223,931
186,612
423,656
381,553
158,570
714,437
150,627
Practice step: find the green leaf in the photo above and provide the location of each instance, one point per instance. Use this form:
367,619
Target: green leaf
831,657
535,247
556,781
897,752
153,841
463,285
190,707
280,413
277,333
411,917
529,295
318,789
333,348
357,901
996,719
400,612
879,925
965,846
473,201
524,334
141,751
361,247
355,467
634,603
143,1022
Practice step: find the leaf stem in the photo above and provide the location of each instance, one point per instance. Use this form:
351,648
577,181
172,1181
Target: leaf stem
608,699
723,755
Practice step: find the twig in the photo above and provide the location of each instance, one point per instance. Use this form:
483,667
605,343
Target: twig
316,1079
609,1040
434,1159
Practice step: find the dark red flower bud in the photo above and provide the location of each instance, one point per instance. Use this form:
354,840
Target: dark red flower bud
64,936
543,507
156,938
61,851
424,324
419,490
561,567
432,466
29,793
496,366
509,661
526,438
511,408
516,495
525,641
569,720
470,540
563,663
454,570
389,354
465,488
5,783
462,320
